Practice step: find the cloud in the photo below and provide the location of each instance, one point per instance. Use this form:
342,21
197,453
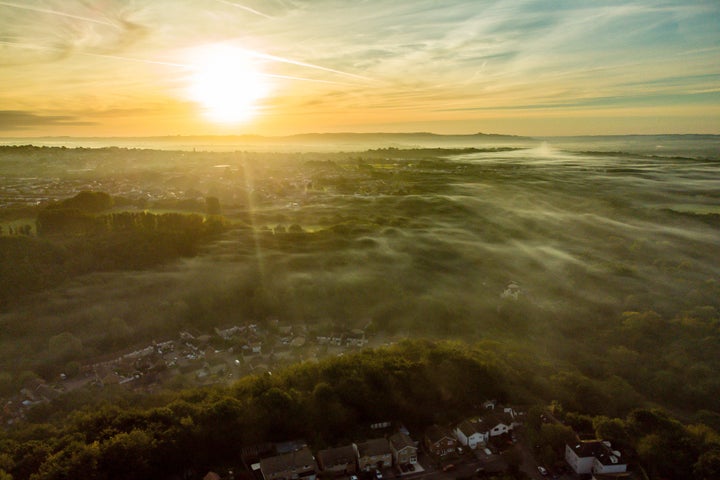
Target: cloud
19,120
64,28
378,57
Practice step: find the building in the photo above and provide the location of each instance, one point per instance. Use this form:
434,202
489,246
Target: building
355,338
299,464
403,449
339,461
440,441
494,425
469,435
594,456
374,454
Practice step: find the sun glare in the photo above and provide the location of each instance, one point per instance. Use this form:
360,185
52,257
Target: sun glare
226,83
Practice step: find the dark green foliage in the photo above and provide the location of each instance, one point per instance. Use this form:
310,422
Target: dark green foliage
212,206
73,242
86,201
418,383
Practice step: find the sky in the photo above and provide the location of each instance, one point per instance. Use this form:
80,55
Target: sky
280,67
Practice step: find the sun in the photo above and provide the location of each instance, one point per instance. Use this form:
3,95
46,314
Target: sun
227,83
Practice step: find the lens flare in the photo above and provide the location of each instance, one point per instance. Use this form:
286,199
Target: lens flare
227,84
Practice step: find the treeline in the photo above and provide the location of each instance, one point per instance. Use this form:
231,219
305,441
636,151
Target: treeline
648,438
65,221
71,240
328,403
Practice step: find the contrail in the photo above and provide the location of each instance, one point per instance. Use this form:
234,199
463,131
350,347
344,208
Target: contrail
243,7
157,62
274,58
61,14
88,54
264,56
302,79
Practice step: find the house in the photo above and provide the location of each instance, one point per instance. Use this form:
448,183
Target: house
468,433
403,449
332,339
289,466
355,338
594,456
494,425
514,417
609,461
440,441
373,454
339,461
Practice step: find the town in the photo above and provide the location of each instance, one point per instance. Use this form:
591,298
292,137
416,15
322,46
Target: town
194,359
484,445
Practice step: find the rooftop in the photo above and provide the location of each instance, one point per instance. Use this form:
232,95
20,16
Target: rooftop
468,428
401,440
374,447
336,456
299,460
436,433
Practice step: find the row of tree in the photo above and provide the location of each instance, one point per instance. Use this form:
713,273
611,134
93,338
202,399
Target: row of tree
72,242
328,403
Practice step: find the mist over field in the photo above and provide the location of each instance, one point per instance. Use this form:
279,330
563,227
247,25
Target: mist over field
416,243
242,297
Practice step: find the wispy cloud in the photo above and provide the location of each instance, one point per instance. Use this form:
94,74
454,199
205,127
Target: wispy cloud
59,13
19,120
244,8
376,57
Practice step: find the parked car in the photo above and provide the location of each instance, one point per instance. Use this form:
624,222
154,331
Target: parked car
449,467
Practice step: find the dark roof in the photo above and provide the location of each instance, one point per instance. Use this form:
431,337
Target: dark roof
606,456
493,419
300,459
401,440
437,433
468,428
374,447
336,456
588,448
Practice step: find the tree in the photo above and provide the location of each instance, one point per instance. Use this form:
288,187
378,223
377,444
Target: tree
513,458
88,201
64,346
556,435
127,455
117,331
212,206
613,430
6,383
708,465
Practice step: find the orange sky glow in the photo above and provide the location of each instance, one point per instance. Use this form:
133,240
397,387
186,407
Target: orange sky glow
279,67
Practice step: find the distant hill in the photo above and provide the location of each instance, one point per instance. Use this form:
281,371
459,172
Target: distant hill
300,142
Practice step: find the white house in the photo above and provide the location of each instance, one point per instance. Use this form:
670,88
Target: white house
468,434
494,425
609,461
594,456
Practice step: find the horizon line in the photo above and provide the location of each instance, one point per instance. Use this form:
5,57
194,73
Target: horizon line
241,135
